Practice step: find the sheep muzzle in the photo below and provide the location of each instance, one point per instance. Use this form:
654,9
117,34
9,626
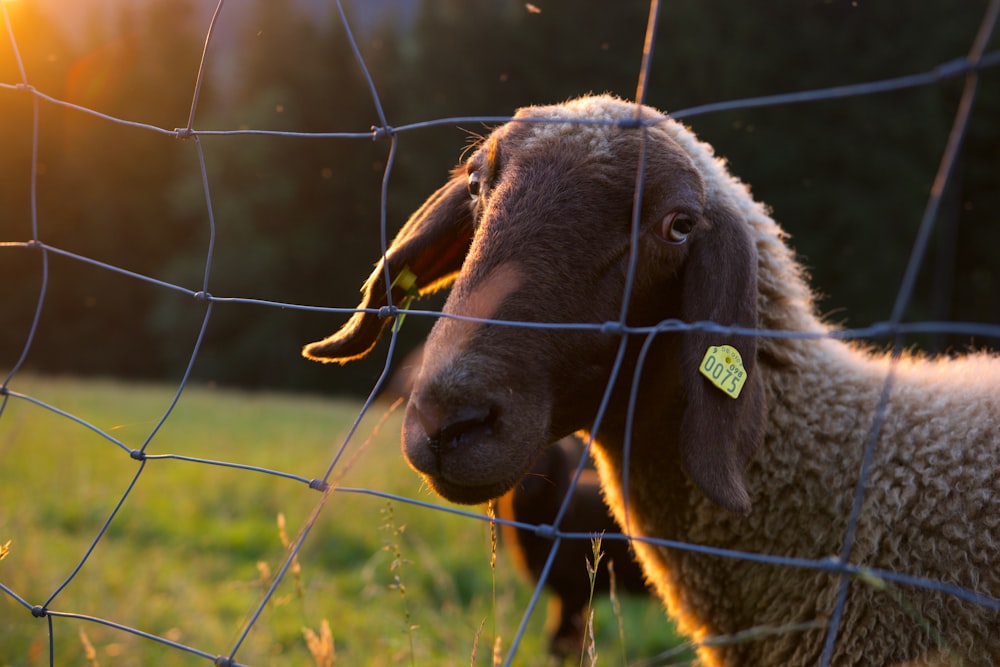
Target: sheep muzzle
466,452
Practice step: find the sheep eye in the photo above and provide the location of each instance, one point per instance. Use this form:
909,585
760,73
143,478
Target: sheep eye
474,183
676,227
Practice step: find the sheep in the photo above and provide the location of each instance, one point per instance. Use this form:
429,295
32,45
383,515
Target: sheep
537,226
536,499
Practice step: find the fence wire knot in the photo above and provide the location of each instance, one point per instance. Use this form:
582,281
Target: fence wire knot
382,132
612,328
632,123
38,611
546,530
138,454
318,485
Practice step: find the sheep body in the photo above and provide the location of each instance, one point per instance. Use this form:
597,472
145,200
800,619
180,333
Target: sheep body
773,472
932,510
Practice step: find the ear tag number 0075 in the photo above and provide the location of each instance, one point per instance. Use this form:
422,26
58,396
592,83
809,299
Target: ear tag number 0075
723,366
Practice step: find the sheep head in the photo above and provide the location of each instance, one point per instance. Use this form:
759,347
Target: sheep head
543,214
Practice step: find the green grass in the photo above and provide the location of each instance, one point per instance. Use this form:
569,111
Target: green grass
189,554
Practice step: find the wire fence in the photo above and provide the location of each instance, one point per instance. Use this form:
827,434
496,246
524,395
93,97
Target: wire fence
965,69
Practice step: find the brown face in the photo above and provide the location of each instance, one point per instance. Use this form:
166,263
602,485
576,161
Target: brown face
552,210
539,226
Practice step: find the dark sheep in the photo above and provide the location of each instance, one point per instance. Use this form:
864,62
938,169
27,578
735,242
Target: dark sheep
536,500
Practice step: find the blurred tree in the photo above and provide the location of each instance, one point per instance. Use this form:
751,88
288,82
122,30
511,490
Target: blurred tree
297,219
45,56
848,178
106,185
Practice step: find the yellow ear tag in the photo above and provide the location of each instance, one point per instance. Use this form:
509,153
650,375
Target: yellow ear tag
407,281
723,366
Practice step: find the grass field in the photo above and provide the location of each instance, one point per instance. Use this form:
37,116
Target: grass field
193,548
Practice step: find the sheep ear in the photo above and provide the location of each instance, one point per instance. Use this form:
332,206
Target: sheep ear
426,255
719,434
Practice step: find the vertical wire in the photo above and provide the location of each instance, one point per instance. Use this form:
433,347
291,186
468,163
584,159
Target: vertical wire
201,67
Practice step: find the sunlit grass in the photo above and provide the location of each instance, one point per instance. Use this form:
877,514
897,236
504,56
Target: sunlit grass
193,548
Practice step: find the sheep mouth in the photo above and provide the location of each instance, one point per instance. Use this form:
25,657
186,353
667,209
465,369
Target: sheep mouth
467,454
466,429
466,470
464,494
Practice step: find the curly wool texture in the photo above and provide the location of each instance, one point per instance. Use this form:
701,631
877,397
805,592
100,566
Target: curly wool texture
931,509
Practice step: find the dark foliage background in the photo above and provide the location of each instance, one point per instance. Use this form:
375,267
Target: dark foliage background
298,219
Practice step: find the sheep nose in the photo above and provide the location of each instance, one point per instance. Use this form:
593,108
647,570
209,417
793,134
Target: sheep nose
449,429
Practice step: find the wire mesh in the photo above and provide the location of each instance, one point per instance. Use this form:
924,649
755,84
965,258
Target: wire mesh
965,69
